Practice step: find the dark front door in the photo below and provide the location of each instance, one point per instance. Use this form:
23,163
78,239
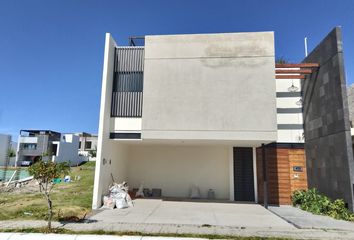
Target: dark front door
243,174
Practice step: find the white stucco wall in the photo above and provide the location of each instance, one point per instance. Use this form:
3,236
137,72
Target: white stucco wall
291,136
113,161
67,150
106,149
125,124
282,85
175,168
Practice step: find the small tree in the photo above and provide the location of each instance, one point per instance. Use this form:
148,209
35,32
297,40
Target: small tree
281,60
92,153
44,173
11,153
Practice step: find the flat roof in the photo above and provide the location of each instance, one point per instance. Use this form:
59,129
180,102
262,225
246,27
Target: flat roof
39,131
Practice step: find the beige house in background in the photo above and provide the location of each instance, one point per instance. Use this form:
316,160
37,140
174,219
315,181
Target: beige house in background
87,145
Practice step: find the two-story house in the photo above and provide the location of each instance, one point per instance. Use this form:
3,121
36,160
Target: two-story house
194,110
34,145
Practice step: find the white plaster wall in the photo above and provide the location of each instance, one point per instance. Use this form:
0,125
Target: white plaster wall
105,146
118,161
175,168
210,86
4,147
291,136
290,118
288,102
282,85
67,150
113,161
125,124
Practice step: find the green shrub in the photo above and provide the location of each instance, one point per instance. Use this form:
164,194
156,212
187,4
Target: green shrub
312,201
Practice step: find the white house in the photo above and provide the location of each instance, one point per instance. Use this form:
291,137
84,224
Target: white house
187,110
88,145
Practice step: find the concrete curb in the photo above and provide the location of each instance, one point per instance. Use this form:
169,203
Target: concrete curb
42,236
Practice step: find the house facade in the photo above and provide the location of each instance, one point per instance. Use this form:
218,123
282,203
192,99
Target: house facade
88,145
194,110
34,145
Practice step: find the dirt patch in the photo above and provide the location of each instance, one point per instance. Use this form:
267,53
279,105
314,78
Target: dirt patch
26,187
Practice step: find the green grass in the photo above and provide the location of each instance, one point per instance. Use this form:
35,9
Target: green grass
71,201
101,232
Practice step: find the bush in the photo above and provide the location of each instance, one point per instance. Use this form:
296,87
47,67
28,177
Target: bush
312,201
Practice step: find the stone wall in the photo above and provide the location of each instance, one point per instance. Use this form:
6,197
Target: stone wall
330,164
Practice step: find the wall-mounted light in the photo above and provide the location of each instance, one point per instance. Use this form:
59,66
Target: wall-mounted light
293,88
299,103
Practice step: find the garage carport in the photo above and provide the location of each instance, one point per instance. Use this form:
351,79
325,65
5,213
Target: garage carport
153,211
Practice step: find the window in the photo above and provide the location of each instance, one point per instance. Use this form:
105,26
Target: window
127,94
88,145
55,150
29,146
79,145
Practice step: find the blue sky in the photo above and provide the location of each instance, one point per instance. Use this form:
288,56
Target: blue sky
51,52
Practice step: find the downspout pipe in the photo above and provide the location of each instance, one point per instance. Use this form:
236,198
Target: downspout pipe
265,178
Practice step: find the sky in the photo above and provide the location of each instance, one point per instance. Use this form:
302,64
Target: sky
51,51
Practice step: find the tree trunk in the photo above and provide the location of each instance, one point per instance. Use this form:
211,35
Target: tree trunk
50,213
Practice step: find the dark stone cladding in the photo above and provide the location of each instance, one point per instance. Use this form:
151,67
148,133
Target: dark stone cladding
329,153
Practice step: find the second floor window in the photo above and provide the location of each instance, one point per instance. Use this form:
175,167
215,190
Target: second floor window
127,94
29,146
88,145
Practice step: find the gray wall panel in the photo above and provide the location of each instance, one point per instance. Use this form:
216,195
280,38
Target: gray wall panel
206,84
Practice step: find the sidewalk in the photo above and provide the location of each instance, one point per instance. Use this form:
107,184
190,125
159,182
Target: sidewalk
36,236
162,229
303,219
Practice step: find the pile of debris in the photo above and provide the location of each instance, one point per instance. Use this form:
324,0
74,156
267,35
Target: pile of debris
118,197
20,186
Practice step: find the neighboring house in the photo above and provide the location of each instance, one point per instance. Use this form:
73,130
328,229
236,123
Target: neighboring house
35,144
187,110
5,144
88,145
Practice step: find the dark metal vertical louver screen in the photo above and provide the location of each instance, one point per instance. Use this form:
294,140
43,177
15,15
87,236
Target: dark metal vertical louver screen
127,95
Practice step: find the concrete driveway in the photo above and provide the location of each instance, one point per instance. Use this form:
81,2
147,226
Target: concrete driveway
194,213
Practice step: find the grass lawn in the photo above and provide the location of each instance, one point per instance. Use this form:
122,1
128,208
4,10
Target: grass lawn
71,201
